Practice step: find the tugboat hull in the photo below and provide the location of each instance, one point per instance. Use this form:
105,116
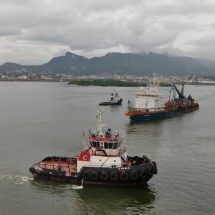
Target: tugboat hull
111,103
138,174
115,100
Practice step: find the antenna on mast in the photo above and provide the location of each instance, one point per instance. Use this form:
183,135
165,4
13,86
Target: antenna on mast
100,123
84,140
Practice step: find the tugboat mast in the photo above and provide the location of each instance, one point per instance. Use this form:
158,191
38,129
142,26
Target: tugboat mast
100,124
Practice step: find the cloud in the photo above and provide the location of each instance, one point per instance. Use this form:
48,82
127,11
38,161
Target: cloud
32,31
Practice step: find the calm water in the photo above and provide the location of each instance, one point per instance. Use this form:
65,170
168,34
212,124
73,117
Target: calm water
41,119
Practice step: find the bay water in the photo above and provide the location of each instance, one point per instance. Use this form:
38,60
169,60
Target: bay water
39,119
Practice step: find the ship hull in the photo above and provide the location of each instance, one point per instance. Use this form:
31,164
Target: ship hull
111,103
153,116
138,174
183,110
82,181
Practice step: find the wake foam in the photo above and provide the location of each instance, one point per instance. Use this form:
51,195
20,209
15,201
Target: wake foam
15,179
75,187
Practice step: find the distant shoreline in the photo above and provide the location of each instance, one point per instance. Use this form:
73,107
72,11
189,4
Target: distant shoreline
118,83
115,83
106,83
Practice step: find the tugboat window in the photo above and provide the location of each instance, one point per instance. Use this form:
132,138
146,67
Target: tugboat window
93,144
110,145
106,146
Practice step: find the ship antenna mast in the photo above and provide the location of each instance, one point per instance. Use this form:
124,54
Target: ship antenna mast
100,122
84,141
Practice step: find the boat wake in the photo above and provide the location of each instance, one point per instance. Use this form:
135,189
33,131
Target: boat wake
15,179
76,187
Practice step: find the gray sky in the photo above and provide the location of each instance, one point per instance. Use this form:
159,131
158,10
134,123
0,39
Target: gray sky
34,31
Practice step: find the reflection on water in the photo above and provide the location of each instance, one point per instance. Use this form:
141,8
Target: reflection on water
144,138
144,127
117,200
103,200
51,187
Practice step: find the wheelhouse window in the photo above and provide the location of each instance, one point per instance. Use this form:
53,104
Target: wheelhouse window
105,145
111,145
95,144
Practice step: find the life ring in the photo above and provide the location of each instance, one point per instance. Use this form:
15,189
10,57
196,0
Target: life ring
124,176
114,176
86,175
94,176
104,176
134,175
143,174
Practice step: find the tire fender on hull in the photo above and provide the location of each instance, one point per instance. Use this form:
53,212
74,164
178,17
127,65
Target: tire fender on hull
86,175
143,174
94,176
104,176
134,175
124,176
114,176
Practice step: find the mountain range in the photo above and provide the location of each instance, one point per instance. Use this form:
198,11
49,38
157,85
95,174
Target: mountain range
138,64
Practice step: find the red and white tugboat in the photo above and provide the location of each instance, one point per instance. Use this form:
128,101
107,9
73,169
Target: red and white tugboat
104,162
